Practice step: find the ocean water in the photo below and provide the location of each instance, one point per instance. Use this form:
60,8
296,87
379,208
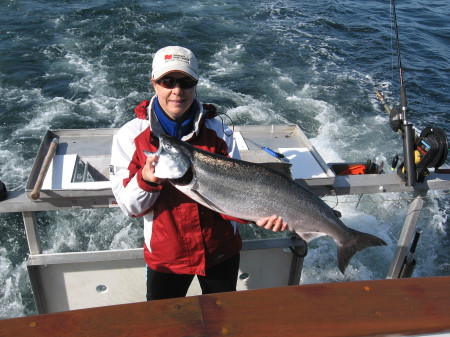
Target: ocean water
317,64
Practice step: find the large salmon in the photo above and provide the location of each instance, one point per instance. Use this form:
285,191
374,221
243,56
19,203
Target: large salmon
250,191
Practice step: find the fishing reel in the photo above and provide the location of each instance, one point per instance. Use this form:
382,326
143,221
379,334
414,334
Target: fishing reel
395,119
430,151
427,150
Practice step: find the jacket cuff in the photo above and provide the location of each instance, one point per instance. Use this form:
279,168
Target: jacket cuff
230,218
146,185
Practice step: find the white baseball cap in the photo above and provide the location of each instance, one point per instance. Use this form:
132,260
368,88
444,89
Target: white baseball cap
174,58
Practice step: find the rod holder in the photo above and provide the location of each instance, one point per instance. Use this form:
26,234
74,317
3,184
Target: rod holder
408,154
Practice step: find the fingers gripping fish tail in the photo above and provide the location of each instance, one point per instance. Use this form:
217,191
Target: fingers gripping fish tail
357,242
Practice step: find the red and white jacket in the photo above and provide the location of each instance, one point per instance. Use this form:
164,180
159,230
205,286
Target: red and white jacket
181,236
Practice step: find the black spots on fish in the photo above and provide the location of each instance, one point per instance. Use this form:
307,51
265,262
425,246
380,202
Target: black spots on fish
282,168
211,160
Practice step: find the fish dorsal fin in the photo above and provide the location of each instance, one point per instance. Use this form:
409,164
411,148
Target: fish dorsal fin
282,168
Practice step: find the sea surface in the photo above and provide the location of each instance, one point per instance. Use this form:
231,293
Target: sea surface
317,64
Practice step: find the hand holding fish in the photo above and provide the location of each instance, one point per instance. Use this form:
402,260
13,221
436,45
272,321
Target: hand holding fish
148,171
273,223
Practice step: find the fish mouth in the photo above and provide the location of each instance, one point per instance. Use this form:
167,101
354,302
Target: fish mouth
163,145
159,150
153,154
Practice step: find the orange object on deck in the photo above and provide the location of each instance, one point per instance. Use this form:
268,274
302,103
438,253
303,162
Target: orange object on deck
353,170
364,308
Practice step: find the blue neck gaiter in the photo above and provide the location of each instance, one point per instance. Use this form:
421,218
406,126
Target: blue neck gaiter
173,128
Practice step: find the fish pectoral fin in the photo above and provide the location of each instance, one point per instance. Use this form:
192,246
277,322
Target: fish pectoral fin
206,202
309,236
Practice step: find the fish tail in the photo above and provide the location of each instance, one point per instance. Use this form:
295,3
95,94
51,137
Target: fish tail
358,241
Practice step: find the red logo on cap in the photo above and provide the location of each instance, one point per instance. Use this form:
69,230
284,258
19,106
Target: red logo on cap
167,57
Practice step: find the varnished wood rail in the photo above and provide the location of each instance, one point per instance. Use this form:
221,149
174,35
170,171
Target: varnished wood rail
365,308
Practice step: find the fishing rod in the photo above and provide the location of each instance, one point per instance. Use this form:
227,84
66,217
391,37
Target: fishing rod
407,128
421,150
273,153
268,150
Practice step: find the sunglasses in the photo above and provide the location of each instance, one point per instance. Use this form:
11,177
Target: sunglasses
170,82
